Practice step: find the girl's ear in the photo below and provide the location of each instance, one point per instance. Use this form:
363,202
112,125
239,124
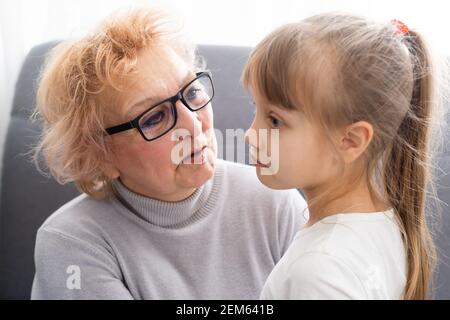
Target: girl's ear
354,140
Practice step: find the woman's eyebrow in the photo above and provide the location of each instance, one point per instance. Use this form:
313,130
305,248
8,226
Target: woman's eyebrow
135,110
153,100
145,101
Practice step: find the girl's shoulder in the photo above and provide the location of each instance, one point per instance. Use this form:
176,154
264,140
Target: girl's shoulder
350,233
342,253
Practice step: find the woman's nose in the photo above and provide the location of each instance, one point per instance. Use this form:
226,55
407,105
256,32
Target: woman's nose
188,120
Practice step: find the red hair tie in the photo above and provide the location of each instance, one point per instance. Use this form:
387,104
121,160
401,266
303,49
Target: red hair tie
402,28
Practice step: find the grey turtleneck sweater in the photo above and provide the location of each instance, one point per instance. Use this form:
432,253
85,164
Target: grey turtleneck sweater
220,243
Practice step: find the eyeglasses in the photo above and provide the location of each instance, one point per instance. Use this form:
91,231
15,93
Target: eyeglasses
162,117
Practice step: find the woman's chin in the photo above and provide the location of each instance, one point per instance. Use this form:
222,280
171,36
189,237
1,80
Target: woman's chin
195,175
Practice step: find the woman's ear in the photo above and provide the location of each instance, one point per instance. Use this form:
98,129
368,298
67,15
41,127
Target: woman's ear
108,167
111,171
354,140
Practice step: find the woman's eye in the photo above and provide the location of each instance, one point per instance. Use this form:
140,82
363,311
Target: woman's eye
193,94
154,119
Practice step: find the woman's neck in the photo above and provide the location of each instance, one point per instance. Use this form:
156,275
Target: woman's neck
176,196
359,199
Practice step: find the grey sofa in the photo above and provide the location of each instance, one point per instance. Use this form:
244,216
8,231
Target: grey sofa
27,198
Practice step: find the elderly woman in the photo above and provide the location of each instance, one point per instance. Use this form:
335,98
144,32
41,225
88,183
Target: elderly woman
150,224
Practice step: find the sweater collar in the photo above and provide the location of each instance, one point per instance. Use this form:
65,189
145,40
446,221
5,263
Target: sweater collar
172,215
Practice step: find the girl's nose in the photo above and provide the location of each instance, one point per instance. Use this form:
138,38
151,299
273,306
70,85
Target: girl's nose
251,135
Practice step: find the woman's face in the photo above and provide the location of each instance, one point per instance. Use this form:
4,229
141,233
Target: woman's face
149,167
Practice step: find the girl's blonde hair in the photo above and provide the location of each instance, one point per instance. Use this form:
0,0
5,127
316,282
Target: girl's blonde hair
338,69
79,89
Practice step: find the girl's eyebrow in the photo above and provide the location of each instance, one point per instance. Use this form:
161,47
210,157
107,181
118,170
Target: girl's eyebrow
279,110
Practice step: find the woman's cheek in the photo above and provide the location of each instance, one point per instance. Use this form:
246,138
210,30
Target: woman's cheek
154,153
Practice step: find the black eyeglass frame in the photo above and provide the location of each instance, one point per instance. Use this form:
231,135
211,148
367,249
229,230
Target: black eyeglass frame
173,100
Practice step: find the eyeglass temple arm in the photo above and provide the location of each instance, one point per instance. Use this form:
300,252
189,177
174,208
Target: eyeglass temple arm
120,128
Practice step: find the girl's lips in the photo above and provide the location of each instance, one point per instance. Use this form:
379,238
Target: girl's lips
259,164
253,157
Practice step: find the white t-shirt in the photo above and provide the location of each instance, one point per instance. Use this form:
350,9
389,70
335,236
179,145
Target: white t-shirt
343,256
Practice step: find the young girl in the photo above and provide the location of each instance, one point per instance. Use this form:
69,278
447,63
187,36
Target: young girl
353,101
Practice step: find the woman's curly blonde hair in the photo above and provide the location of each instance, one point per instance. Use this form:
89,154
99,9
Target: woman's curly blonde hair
78,89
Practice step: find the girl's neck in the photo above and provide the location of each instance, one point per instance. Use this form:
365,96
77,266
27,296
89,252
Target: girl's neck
359,199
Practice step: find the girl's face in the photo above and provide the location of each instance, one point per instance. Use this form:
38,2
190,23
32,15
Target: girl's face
148,167
305,158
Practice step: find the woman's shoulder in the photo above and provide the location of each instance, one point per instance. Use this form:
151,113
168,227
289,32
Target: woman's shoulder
81,217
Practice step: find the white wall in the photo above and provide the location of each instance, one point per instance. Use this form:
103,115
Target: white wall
25,23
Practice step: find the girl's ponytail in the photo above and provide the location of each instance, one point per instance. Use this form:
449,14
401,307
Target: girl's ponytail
406,173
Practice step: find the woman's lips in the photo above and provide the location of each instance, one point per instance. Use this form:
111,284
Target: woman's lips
196,157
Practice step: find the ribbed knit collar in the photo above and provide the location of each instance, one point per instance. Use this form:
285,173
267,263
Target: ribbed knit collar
172,215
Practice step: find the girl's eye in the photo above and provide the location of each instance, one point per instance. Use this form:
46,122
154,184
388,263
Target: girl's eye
276,123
